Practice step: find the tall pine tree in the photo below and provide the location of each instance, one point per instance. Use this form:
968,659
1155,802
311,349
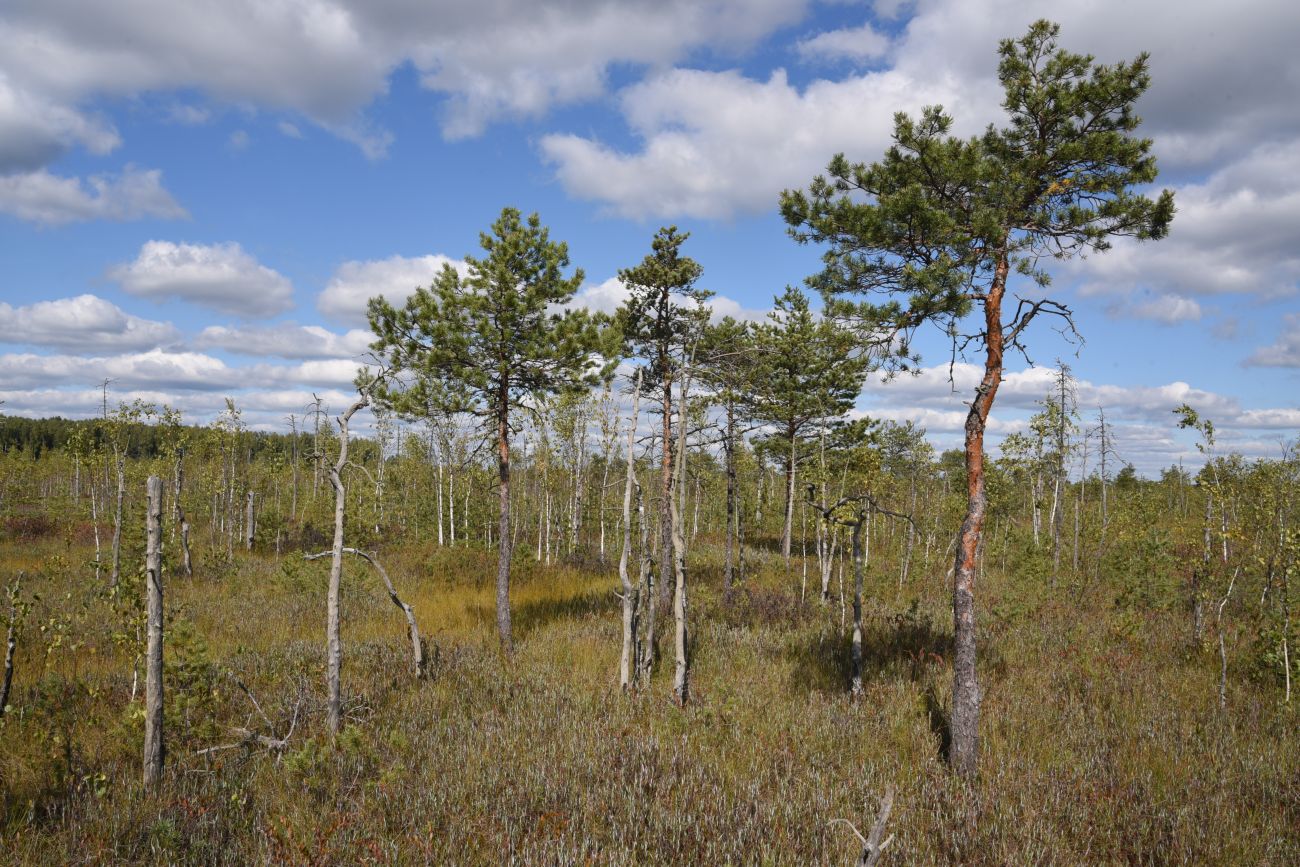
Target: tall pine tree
807,369
661,321
935,229
488,344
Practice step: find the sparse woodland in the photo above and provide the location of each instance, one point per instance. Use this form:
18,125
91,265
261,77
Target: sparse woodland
642,589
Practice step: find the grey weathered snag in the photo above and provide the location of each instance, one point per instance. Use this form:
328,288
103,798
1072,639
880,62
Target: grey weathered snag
872,846
333,646
417,646
631,592
646,583
119,461
11,642
154,751
681,636
187,565
249,738
250,521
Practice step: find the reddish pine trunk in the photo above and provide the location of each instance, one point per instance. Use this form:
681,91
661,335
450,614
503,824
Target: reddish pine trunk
964,752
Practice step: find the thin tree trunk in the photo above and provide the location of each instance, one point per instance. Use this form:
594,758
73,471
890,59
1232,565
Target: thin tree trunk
119,460
1198,607
964,754
154,750
681,637
1057,512
503,549
293,427
666,488
631,601
604,484
911,533
440,509
859,567
250,522
645,648
787,531
729,453
1223,651
417,645
333,643
94,523
451,504
186,564
11,642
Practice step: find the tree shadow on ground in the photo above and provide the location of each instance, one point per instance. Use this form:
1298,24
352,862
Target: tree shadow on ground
529,617
905,645
940,720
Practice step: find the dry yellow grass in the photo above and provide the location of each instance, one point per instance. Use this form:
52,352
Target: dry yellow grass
1103,742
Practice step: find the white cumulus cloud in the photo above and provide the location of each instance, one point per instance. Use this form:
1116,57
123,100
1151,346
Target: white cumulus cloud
42,197
219,276
286,341
354,283
850,43
1285,351
87,323
327,60
719,142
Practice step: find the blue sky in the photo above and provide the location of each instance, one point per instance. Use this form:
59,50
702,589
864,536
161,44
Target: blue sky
196,198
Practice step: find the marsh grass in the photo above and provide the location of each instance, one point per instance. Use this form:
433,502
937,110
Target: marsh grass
1103,742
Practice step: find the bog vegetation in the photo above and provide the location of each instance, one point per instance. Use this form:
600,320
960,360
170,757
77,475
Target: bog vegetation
641,589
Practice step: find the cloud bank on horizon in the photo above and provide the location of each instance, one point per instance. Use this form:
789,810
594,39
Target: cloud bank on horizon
189,190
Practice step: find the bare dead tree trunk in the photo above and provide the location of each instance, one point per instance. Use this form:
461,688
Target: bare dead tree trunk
729,453
1058,489
94,523
333,645
666,490
119,461
417,645
681,637
11,642
645,580
1105,448
154,751
631,602
604,483
579,476
872,846
179,516
293,463
859,567
250,521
